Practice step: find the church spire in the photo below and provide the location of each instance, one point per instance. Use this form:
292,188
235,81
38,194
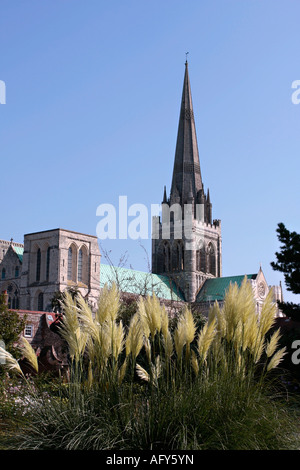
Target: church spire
165,200
186,171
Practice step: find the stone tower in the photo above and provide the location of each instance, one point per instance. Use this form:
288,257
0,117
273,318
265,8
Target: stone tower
186,242
54,260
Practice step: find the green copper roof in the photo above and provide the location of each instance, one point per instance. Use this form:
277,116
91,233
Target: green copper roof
140,283
19,251
215,289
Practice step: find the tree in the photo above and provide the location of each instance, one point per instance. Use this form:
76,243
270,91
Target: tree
11,327
58,298
288,262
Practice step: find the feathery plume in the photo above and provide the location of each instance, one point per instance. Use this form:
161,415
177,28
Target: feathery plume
69,327
250,333
273,343
143,317
147,346
190,327
164,322
205,338
104,342
215,314
195,363
152,313
134,339
29,353
276,359
155,371
88,324
117,339
122,371
231,310
259,348
168,344
109,304
7,360
179,338
142,373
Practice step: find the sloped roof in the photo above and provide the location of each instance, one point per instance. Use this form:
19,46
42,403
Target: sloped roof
215,289
19,251
139,282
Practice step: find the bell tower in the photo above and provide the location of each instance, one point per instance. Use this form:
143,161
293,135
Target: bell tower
186,242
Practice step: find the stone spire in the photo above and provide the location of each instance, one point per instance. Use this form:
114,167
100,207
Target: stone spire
186,172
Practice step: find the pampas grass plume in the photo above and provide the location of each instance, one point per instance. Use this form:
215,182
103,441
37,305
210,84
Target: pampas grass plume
29,353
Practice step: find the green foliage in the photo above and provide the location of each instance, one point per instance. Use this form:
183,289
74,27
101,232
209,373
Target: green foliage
128,308
11,327
151,388
58,298
288,262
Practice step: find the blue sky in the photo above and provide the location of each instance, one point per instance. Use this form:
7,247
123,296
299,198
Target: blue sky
93,93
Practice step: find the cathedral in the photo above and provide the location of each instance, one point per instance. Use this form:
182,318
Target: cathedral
186,248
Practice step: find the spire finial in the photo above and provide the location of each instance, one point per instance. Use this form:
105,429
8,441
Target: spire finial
186,54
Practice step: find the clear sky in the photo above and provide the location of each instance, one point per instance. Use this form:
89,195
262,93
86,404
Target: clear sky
93,92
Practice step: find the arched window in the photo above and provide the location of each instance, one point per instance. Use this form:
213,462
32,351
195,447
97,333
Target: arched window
15,301
177,256
3,273
167,258
40,305
202,256
83,265
180,256
198,258
48,263
80,259
38,265
70,263
17,271
211,259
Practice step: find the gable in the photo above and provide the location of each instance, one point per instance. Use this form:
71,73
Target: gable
19,252
12,257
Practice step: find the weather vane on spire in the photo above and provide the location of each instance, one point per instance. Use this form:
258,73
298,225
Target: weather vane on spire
186,54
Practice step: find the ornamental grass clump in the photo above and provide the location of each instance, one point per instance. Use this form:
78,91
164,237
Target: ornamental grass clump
146,387
240,341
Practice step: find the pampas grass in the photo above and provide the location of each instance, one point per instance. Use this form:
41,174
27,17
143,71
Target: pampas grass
29,353
205,339
154,389
276,359
135,337
9,362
